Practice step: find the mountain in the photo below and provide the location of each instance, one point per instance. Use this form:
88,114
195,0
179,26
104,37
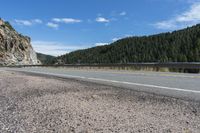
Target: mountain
46,59
15,49
177,46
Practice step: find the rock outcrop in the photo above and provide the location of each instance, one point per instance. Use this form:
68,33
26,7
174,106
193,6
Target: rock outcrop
15,49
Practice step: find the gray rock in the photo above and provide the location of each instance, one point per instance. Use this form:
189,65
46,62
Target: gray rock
15,49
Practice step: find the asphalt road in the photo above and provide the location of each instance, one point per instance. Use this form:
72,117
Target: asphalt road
179,85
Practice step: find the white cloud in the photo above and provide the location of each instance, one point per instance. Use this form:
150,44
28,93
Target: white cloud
52,25
28,22
166,25
101,44
23,22
53,48
115,39
66,20
58,20
102,20
39,21
123,13
192,15
187,18
118,38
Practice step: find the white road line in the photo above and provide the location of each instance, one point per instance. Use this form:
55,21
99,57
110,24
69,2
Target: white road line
146,85
114,81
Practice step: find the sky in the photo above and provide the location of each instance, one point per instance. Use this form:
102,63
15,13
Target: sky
57,27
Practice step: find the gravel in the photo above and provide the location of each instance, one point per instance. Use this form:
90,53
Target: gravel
30,103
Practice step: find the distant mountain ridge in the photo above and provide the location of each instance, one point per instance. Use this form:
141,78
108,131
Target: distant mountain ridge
15,49
178,46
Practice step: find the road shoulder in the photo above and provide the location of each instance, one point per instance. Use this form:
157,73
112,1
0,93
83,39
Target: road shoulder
35,103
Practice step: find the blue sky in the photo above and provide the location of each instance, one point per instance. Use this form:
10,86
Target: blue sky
60,26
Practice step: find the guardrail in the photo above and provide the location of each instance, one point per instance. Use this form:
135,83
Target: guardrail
162,65
178,67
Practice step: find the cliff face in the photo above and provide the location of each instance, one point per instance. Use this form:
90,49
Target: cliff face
15,49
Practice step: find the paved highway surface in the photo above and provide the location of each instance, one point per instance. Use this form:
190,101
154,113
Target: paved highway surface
186,86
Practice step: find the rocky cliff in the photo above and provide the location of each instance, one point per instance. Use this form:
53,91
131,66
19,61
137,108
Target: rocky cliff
15,49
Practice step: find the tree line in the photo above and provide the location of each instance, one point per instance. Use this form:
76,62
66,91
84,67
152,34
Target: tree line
178,46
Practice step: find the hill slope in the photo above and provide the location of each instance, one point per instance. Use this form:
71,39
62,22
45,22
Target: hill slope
178,46
15,49
45,59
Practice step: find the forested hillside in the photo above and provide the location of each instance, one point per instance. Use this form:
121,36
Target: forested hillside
178,46
45,59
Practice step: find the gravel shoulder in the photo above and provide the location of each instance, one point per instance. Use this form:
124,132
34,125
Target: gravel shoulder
30,103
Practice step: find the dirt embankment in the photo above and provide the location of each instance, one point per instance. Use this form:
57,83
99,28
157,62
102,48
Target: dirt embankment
40,104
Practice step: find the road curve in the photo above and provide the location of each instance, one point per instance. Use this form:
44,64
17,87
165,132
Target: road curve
179,85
